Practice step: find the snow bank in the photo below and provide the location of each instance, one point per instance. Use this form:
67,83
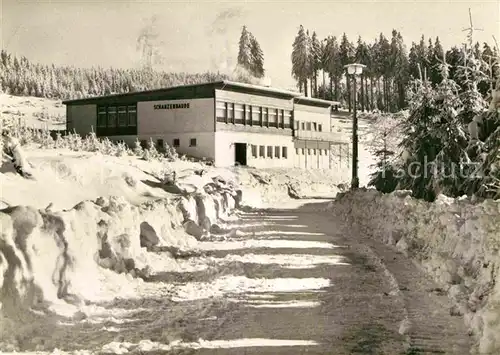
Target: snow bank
456,241
54,261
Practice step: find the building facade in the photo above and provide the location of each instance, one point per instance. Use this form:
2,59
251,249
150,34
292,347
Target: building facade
227,122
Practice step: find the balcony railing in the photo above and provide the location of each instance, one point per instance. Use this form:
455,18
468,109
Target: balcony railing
322,136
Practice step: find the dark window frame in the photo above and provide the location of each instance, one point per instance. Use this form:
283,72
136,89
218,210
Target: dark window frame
176,142
127,127
193,142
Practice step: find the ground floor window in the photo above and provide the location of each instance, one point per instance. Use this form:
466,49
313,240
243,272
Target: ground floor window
176,142
116,120
262,151
269,152
192,142
277,151
122,116
254,151
284,152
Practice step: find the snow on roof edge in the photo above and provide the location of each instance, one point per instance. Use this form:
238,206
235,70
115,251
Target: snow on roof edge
316,100
261,87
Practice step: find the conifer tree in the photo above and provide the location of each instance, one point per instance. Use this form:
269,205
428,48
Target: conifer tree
244,51
257,58
315,61
301,59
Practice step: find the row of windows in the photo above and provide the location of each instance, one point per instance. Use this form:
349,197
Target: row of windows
262,151
117,116
230,112
311,151
308,126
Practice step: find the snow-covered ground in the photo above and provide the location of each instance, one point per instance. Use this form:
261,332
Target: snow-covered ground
58,225
33,111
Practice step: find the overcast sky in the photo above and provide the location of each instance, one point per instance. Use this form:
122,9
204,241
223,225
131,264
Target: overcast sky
203,35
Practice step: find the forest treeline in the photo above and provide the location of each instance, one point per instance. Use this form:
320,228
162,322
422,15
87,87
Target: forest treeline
390,66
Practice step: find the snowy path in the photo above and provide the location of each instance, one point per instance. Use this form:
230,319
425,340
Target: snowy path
332,294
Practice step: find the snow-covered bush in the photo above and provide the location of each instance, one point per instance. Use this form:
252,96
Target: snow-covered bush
90,143
151,153
138,151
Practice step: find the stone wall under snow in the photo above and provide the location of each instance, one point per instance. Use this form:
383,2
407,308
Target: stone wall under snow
457,241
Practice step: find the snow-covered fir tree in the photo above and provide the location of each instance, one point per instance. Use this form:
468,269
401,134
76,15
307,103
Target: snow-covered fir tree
244,49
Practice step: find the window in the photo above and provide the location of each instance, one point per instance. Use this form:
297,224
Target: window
101,117
308,127
269,151
122,116
309,151
262,151
277,152
303,151
230,112
303,126
132,115
238,113
255,115
111,116
177,142
284,152
273,118
314,151
320,128
192,142
265,116
287,119
248,114
282,117
160,143
297,151
254,151
296,125
221,112
315,126
320,151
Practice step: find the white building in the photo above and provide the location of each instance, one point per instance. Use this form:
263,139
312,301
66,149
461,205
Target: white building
224,121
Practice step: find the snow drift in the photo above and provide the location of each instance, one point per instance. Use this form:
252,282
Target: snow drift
456,241
54,262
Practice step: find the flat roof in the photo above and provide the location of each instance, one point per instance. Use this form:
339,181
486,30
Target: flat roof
192,91
314,101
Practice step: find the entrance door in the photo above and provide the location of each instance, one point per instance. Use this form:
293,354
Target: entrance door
240,153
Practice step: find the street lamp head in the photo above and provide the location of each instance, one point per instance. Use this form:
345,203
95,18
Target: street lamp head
355,68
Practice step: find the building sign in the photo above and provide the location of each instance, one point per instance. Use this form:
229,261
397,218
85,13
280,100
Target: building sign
171,106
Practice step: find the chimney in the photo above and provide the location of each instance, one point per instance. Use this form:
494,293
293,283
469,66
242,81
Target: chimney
266,81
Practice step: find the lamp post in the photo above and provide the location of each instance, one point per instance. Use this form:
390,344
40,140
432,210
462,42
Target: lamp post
353,70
